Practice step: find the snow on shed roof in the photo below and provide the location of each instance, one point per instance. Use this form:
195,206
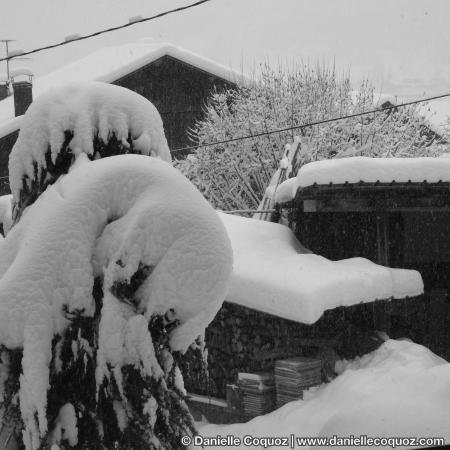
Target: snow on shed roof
112,63
371,170
273,273
368,170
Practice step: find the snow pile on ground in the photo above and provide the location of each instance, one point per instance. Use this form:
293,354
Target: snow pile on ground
401,389
87,110
275,274
108,218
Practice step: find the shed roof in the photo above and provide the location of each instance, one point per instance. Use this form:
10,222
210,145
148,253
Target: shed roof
275,274
368,173
384,170
110,64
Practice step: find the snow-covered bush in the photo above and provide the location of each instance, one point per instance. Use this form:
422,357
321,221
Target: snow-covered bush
105,280
97,119
235,175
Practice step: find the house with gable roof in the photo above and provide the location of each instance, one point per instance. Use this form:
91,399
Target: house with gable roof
177,81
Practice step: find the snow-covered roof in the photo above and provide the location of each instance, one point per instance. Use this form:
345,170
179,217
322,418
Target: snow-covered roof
273,273
364,169
112,63
371,170
10,125
21,71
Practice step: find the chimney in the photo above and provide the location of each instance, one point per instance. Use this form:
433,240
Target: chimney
22,90
23,96
4,90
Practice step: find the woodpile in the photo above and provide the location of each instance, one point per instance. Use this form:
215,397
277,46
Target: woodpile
295,375
258,393
240,339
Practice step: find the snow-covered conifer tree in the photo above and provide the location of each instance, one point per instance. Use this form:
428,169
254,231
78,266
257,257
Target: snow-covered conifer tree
112,269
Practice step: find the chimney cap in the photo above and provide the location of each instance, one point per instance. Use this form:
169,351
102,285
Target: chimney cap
17,72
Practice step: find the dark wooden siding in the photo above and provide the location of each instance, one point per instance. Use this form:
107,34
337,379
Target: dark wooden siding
415,238
403,225
179,91
6,144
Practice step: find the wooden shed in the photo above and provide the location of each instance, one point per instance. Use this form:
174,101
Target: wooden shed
393,211
284,302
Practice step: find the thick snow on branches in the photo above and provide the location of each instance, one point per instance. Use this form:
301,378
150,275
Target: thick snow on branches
6,212
113,266
84,112
145,213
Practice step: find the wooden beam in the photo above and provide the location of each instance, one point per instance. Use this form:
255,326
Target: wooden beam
336,204
382,239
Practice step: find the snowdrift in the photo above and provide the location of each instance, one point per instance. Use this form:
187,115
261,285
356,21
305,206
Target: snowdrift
401,389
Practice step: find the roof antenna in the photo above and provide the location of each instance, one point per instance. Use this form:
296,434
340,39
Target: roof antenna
6,44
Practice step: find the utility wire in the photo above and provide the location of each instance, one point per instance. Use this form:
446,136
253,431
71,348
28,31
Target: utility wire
242,211
108,30
310,124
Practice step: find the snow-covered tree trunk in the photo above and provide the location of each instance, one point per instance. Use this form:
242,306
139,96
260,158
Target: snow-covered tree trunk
110,272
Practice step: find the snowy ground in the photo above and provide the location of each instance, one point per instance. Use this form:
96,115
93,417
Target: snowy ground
400,390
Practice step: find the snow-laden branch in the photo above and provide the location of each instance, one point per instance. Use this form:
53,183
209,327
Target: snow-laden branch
94,118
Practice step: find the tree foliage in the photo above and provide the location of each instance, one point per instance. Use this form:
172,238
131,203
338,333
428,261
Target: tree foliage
129,409
235,175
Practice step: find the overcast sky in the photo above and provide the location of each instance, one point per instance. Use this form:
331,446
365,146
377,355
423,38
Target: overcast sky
402,45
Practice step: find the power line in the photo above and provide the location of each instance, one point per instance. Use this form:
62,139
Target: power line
305,125
310,124
254,211
108,30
